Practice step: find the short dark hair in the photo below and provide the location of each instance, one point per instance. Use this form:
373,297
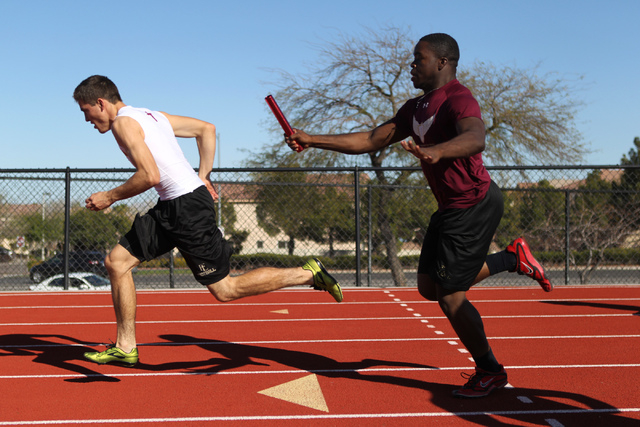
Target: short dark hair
95,87
444,46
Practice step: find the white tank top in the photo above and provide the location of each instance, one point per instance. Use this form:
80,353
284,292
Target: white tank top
177,177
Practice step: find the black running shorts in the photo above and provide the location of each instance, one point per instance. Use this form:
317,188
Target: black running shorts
189,224
457,241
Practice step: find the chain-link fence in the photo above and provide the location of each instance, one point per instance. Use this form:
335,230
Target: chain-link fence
365,224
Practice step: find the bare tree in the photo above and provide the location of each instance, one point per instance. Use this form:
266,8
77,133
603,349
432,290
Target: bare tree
594,236
356,84
597,223
361,81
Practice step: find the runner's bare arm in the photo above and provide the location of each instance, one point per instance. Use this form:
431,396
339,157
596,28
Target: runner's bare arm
351,143
130,137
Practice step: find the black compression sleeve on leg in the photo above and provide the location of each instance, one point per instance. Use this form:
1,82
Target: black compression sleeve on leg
488,362
501,261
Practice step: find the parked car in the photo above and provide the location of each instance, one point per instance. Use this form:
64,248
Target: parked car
79,261
77,282
5,254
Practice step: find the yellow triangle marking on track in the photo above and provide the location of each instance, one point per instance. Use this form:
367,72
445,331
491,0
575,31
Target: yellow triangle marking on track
285,311
304,391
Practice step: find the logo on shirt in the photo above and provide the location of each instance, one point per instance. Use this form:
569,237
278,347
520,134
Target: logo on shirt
421,129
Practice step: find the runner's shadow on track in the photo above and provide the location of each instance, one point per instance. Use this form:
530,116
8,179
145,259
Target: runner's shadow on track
235,356
51,353
597,305
501,408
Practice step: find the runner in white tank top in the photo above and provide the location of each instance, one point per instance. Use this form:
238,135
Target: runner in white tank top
185,216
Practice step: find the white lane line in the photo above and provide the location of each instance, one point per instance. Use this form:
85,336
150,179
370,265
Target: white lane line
263,342
215,343
334,319
258,304
297,371
581,316
183,420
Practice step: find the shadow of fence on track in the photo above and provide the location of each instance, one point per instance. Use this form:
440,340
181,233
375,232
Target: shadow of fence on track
596,305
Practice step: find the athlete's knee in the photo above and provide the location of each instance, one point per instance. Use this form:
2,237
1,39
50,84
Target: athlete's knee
224,290
120,261
450,303
111,264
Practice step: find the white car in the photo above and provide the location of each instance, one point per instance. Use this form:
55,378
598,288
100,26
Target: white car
77,281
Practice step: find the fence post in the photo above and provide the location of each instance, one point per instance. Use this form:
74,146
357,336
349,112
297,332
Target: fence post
356,178
567,232
67,224
172,279
369,237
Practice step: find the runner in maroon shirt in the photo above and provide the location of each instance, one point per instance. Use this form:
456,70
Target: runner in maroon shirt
447,136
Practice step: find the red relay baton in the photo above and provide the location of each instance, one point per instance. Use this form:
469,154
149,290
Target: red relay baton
286,127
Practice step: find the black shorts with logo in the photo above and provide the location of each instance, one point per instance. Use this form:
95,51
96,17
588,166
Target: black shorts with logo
188,223
457,241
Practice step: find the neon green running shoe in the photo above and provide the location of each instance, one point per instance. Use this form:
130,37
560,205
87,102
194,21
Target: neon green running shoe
322,280
113,355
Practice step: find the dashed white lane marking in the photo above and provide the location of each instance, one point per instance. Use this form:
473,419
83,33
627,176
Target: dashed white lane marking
411,310
551,421
463,350
524,399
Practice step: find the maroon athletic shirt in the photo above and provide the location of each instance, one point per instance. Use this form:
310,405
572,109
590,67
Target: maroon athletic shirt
431,119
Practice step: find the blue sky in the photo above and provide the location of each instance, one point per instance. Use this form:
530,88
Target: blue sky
211,60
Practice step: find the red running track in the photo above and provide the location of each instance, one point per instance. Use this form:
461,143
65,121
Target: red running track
294,357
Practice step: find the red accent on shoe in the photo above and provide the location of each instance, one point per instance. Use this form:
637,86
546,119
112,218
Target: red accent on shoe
527,264
481,383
